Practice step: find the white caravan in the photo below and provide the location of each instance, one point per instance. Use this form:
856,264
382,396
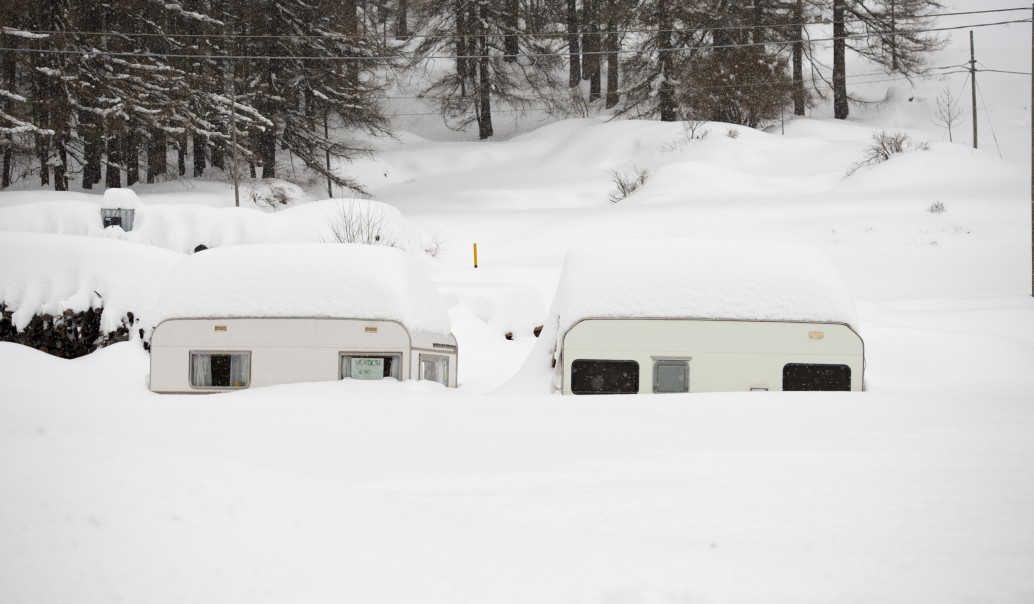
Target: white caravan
257,315
703,315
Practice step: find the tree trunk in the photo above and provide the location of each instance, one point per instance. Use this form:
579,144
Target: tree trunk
484,91
840,108
43,143
592,45
666,93
61,167
612,56
267,152
113,172
156,162
199,155
8,69
8,167
181,155
402,22
93,148
799,97
512,22
463,46
131,157
573,44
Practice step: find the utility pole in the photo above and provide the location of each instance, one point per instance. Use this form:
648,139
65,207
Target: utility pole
326,135
233,134
973,84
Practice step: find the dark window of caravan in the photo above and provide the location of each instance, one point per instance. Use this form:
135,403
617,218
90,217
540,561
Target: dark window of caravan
220,370
370,367
604,377
814,376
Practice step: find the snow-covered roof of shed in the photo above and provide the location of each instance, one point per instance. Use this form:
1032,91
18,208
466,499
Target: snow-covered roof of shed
46,273
124,199
699,279
329,280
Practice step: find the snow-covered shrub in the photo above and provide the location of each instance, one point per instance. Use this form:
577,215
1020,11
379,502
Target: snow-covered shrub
936,207
692,130
361,221
273,193
884,146
626,184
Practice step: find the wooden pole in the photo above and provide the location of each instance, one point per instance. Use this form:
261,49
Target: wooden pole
973,84
326,135
475,255
233,131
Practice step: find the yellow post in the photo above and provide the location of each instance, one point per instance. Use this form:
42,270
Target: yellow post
475,255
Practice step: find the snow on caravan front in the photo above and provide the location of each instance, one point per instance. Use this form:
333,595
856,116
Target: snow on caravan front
256,315
702,315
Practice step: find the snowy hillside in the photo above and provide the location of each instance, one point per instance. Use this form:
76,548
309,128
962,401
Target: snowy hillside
500,491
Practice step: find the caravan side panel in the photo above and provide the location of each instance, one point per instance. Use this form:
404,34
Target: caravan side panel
279,351
719,356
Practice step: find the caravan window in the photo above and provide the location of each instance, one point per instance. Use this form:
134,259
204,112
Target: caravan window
814,376
220,369
370,366
435,367
604,377
671,376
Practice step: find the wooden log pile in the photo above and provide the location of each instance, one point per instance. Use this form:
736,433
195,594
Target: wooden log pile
70,335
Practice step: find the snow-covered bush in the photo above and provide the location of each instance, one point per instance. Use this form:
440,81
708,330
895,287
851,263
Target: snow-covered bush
366,222
884,146
274,193
626,184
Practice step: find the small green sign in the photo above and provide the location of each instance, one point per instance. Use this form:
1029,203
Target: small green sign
367,369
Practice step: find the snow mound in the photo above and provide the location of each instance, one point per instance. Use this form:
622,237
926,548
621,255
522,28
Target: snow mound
115,199
504,307
44,273
304,280
699,279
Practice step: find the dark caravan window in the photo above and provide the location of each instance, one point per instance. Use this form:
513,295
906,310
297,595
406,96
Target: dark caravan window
604,377
220,370
813,376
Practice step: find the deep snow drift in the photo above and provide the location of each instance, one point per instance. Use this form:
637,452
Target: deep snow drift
916,490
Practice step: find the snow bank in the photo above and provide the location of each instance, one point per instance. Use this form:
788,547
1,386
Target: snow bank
43,273
184,226
503,307
699,278
304,280
115,199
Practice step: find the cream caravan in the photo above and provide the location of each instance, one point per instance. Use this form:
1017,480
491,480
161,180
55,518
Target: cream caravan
258,315
698,315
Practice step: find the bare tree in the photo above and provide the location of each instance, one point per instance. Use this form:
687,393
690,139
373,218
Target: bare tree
947,112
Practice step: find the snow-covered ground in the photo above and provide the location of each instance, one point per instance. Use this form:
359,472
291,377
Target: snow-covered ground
917,490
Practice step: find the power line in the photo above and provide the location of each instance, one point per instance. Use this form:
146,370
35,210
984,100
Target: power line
339,36
386,58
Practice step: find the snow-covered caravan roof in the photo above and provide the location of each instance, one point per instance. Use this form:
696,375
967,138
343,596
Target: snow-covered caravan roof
699,279
327,280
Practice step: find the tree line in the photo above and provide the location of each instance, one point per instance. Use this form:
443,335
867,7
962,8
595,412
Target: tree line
152,89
